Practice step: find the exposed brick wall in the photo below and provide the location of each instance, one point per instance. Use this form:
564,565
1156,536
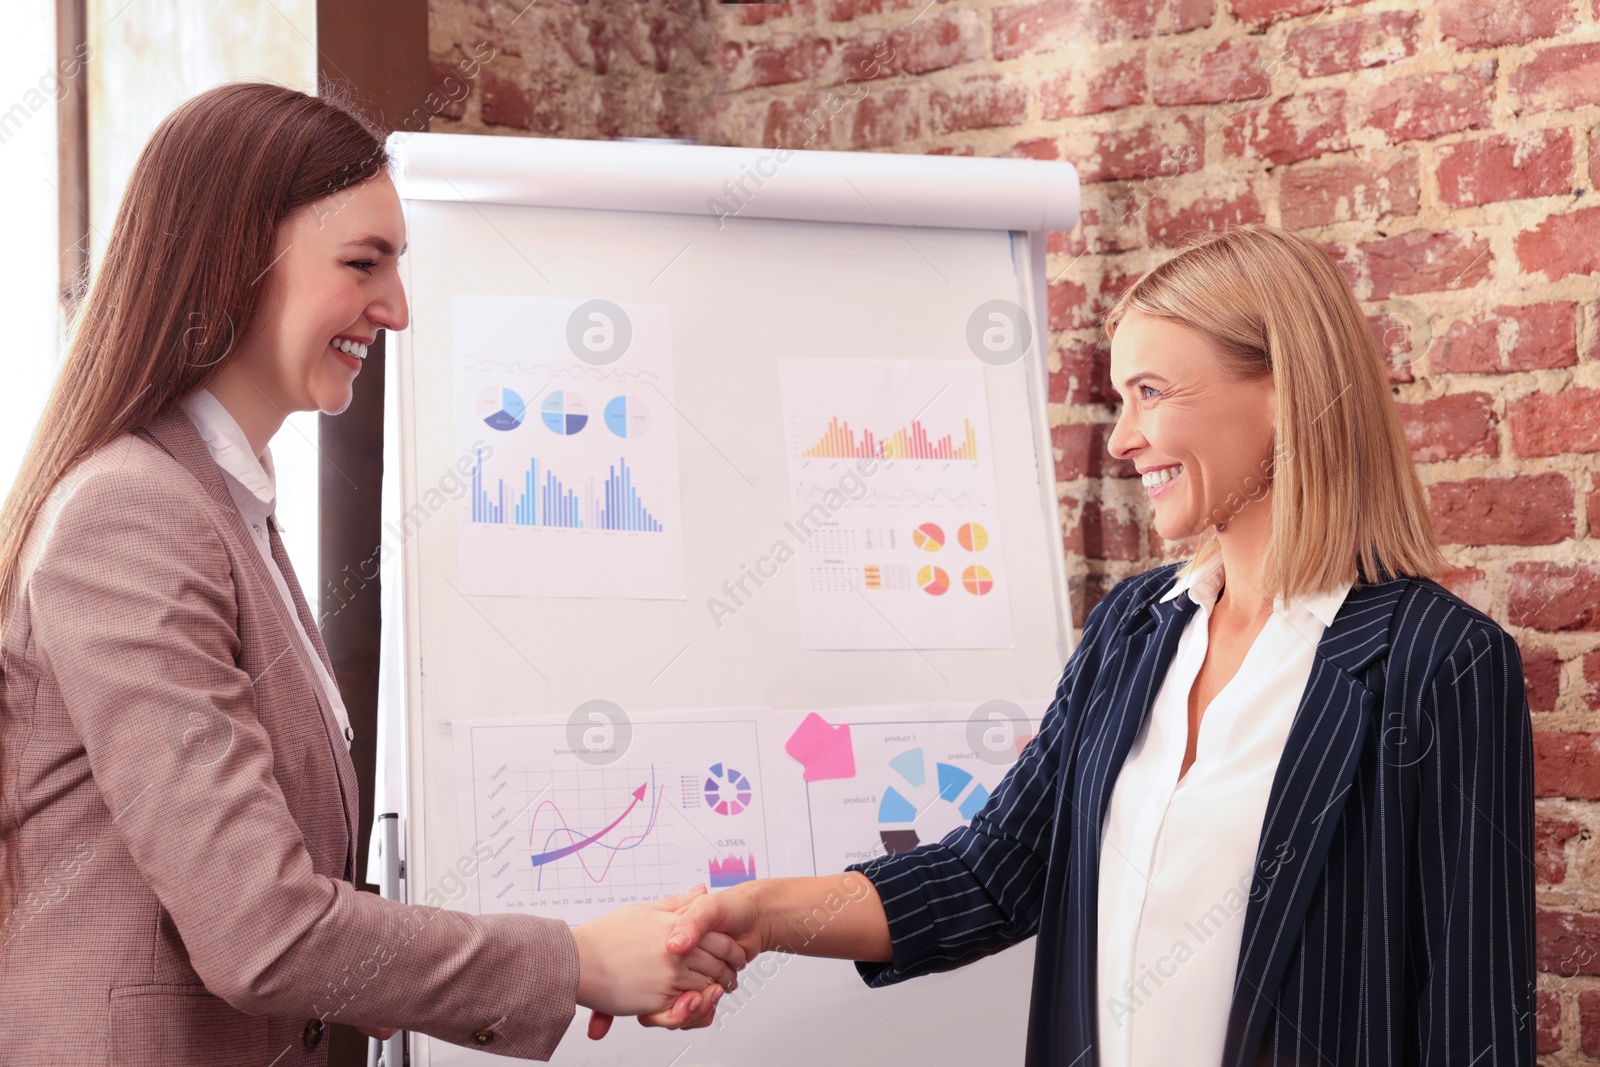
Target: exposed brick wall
1445,155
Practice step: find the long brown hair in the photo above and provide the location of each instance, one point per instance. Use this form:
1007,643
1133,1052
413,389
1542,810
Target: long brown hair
183,271
1347,502
180,280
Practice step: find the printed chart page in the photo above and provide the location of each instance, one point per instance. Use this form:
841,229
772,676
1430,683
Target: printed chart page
893,500
569,818
573,818
565,411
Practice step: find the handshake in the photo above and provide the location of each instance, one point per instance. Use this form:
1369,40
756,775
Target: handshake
668,962
671,961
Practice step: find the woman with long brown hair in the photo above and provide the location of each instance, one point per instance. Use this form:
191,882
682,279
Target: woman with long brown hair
179,803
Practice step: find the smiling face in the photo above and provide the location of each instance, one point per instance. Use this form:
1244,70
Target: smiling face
1201,440
333,284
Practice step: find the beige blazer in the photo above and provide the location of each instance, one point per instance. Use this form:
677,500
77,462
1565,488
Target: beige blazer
180,808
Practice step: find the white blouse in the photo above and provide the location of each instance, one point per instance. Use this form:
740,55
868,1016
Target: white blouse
253,485
1177,856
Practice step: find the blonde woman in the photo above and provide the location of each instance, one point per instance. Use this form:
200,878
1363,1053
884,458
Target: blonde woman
1281,810
179,806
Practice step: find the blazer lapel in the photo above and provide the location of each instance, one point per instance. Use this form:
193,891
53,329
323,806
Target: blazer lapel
174,434
1308,794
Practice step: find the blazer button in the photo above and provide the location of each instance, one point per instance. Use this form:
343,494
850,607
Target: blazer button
312,1034
482,1037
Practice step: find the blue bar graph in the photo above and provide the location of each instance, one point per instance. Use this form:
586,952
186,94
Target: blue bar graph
482,509
622,509
545,500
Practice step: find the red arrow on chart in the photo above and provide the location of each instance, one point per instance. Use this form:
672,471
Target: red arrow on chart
549,857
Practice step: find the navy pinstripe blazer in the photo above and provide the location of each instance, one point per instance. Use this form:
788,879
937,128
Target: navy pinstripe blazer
1390,918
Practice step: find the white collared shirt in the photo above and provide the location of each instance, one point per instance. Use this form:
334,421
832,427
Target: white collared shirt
253,485
1177,856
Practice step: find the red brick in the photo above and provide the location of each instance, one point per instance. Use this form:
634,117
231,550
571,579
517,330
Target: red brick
1084,377
1395,337
1553,424
761,63
937,42
1589,1021
1594,504
1532,509
1320,194
1085,452
809,120
1541,677
1367,41
845,10
1594,159
1566,943
863,61
1097,532
1106,217
1558,78
1470,584
1450,427
1550,837
505,103
1566,765
1168,224
1591,680
1085,89
1547,1038
1509,338
1258,13
1294,128
1150,151
1562,244
1065,25
884,118
1211,75
1505,167
1076,307
1040,27
981,103
1556,596
762,13
1420,107
1036,148
448,90
1420,261
1473,24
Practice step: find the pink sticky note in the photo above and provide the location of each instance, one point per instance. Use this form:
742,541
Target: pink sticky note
825,750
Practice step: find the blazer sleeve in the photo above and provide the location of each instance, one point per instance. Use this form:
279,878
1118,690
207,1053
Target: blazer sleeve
134,614
979,890
1474,873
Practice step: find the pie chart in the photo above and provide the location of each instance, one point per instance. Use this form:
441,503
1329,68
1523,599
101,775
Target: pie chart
626,416
977,580
972,537
933,580
501,409
565,413
928,537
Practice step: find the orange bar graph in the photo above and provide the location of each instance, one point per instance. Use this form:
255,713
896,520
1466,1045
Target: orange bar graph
909,442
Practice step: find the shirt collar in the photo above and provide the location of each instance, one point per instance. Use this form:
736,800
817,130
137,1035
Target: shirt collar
230,448
1204,583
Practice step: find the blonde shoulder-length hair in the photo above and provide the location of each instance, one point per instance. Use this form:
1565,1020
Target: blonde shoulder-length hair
1347,505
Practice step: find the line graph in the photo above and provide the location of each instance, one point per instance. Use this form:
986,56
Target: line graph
625,843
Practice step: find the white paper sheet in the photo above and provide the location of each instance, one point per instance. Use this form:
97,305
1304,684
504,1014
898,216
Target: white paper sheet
573,463
894,507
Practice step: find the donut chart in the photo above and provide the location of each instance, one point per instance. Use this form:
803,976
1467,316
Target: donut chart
727,791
